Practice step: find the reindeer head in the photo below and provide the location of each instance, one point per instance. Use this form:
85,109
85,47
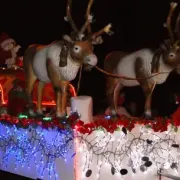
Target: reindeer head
171,55
171,48
81,45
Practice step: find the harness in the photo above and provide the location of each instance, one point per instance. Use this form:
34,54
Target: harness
64,54
155,64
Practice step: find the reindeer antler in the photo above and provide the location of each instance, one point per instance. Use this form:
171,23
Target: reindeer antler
88,19
106,29
69,17
177,30
88,27
168,21
79,34
96,37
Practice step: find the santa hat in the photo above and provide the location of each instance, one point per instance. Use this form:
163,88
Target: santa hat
5,39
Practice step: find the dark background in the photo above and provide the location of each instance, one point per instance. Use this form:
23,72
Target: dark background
136,24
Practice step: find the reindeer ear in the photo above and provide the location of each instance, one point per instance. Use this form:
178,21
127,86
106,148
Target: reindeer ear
68,39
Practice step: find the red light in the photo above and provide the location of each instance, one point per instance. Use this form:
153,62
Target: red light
45,103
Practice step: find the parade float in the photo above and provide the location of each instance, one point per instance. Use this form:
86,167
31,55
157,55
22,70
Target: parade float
80,146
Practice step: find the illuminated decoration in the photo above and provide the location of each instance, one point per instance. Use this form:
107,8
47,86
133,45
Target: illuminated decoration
100,122
159,124
37,152
22,116
104,149
47,118
7,76
138,154
44,103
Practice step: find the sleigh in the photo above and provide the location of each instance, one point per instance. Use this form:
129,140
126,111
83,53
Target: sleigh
7,78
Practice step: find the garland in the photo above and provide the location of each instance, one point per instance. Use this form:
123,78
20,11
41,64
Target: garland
116,156
110,125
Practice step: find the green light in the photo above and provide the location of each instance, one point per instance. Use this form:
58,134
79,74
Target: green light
23,116
47,118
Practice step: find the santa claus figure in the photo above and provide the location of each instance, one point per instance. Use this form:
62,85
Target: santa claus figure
8,51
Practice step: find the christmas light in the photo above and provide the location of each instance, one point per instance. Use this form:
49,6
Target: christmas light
138,154
22,116
47,118
44,103
104,149
34,146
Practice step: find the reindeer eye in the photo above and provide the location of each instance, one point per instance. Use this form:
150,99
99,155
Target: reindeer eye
172,55
77,49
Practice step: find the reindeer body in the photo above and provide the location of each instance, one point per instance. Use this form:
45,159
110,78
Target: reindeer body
126,66
60,61
137,65
43,54
42,62
138,68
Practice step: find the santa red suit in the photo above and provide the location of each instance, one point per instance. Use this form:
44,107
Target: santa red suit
8,51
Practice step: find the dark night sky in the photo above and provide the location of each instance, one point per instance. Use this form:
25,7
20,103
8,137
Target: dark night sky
136,24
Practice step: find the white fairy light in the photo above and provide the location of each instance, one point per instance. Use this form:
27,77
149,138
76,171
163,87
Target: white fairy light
114,151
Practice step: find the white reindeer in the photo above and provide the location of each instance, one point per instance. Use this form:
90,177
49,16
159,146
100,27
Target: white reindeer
60,61
141,65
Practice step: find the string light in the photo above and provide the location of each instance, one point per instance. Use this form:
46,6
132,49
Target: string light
121,152
41,146
132,153
45,103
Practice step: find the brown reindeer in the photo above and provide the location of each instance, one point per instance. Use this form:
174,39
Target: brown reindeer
60,61
141,65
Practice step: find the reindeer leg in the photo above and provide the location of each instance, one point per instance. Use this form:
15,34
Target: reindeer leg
148,90
54,77
29,89
64,89
113,89
39,100
117,90
58,96
30,80
147,86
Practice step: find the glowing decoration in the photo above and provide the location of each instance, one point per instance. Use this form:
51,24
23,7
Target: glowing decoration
8,86
47,118
138,154
23,116
105,149
36,152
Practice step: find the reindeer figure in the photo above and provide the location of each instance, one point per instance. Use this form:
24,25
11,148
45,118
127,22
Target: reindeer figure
141,65
60,61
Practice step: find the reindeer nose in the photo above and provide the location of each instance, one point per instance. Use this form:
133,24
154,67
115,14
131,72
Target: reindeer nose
91,60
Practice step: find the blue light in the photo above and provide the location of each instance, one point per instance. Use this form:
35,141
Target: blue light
35,145
108,117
